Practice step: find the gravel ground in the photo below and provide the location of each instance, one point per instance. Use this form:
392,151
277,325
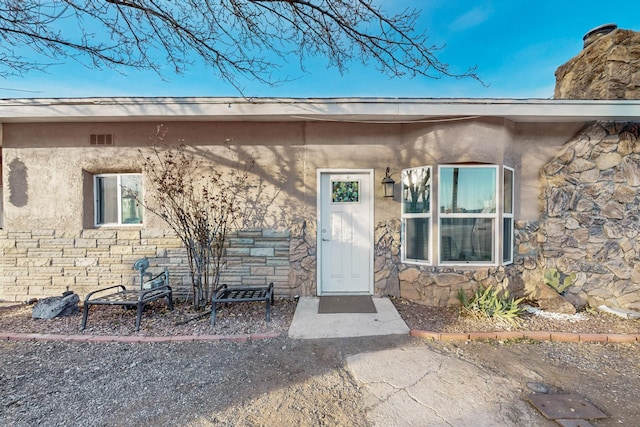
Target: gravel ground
272,382
452,319
157,320
249,318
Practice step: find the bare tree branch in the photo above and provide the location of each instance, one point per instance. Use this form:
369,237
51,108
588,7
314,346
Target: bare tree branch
235,38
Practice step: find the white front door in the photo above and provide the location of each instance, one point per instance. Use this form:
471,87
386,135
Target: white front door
345,233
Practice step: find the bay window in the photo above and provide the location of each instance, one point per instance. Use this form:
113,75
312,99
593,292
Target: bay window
117,199
473,221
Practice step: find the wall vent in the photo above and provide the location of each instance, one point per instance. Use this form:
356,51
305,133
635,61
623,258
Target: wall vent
104,139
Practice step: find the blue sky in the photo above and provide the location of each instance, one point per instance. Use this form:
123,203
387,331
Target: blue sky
516,45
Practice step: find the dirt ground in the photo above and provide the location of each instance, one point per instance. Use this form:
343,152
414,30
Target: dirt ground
271,382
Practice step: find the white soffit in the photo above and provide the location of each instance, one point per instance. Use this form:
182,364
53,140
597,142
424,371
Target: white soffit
383,110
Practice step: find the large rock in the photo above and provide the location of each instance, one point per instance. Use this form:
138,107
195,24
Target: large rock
549,300
51,307
546,297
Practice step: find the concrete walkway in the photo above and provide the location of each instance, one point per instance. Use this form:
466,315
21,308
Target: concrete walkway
419,387
308,324
414,386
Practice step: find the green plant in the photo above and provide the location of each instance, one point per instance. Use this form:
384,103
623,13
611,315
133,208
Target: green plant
492,303
558,280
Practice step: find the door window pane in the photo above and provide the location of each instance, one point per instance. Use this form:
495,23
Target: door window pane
345,191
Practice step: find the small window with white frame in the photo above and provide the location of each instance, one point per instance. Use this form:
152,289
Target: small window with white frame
507,215
416,215
117,199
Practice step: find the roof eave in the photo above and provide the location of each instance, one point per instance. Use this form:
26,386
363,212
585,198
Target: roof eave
393,110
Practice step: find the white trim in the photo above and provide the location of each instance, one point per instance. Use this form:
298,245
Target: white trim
510,216
319,173
118,177
403,216
394,110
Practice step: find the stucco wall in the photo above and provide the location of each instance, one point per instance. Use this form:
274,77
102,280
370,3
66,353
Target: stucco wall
45,167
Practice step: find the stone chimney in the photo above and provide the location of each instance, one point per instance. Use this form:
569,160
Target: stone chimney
608,67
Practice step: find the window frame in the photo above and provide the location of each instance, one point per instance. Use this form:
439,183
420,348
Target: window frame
474,215
408,215
498,216
97,199
508,216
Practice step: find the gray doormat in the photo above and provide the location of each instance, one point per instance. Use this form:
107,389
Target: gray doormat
346,304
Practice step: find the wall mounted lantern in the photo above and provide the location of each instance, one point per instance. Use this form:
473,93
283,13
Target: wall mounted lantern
388,184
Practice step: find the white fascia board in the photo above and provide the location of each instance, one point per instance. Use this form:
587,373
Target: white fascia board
530,110
398,110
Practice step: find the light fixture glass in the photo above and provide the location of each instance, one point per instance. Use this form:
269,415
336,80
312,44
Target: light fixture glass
388,184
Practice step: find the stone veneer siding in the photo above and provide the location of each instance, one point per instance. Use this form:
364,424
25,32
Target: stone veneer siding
43,263
302,254
258,257
590,222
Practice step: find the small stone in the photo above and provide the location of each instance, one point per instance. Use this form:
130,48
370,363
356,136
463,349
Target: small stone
538,387
409,275
580,165
625,314
558,201
450,279
624,194
631,168
613,210
608,160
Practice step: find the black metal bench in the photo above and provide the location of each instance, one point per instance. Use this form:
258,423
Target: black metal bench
225,294
151,289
